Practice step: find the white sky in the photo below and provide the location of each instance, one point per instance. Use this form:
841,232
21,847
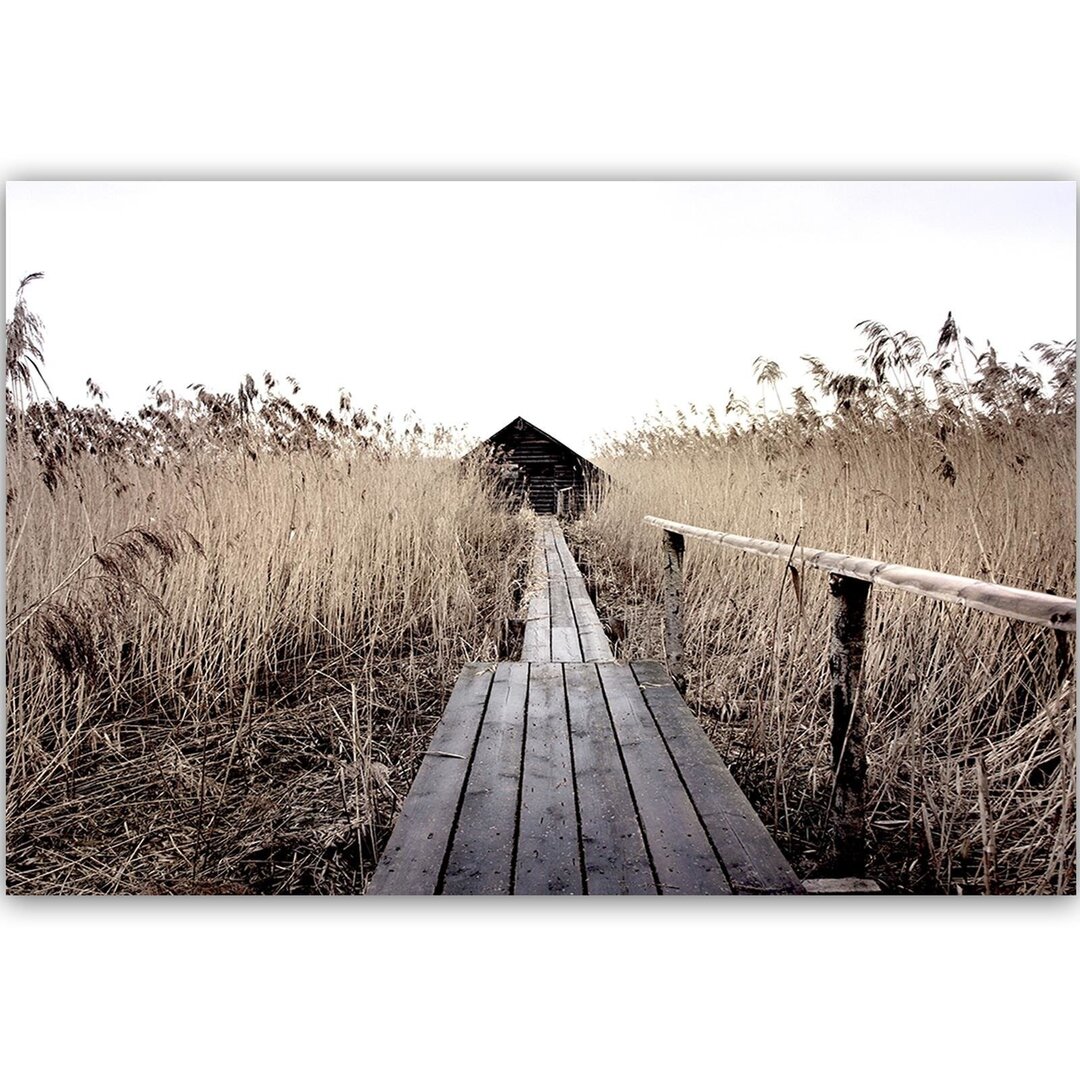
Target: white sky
580,305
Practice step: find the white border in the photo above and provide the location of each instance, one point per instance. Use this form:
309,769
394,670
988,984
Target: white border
224,987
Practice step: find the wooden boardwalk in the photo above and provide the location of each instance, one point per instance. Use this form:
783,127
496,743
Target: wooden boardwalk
562,625
566,772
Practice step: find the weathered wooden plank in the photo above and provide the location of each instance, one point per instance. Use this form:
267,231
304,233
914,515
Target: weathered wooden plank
414,855
590,631
846,886
616,860
566,559
482,847
536,644
751,857
595,645
562,624
594,642
565,644
551,551
682,854
548,859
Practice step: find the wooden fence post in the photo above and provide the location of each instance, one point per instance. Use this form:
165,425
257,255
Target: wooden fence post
674,548
848,732
1062,655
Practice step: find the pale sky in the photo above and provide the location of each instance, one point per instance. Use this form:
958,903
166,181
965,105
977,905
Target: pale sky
580,305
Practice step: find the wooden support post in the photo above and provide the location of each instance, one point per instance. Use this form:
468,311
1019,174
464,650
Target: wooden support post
848,732
1062,655
674,548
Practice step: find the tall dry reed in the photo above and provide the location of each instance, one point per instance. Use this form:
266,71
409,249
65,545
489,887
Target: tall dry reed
277,600
971,718
232,622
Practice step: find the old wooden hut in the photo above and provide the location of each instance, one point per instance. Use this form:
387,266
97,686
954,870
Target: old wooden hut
531,464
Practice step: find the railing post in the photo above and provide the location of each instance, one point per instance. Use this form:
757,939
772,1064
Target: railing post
1062,655
674,547
848,732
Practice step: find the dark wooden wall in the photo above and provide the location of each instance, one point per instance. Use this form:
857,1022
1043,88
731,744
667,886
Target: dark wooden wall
536,467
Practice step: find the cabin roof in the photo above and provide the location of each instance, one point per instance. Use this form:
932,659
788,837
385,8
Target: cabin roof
510,431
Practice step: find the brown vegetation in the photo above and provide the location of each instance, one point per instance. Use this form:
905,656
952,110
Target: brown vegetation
232,622
233,619
947,460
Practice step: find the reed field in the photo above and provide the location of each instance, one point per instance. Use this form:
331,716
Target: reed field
232,623
233,620
942,459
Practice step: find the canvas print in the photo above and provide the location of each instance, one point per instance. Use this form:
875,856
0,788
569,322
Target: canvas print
540,538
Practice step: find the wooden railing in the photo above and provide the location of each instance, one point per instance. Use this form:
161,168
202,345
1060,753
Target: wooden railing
850,580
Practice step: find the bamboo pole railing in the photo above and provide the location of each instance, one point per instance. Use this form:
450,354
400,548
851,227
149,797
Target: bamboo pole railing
1056,612
850,580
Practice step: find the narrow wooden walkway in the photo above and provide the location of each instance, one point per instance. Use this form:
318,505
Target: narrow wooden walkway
566,772
562,624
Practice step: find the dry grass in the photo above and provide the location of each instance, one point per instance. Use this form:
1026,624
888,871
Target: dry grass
971,734
232,621
222,667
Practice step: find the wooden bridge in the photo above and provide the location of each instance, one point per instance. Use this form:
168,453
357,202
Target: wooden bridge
568,772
